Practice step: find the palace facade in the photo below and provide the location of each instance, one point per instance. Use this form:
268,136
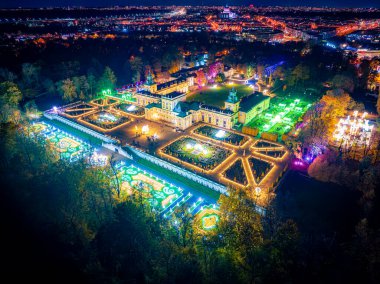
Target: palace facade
166,102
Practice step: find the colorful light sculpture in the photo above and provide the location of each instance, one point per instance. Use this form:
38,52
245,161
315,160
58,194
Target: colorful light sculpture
354,130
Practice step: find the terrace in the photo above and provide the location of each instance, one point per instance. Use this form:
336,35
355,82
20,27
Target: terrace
158,193
65,145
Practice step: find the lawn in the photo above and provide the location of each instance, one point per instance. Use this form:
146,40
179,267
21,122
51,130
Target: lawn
217,96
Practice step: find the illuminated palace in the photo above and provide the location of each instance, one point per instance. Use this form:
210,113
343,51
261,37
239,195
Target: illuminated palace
166,102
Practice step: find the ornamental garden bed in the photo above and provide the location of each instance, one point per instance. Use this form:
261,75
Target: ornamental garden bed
236,173
265,144
204,155
106,120
65,145
260,168
281,116
131,109
79,110
207,218
221,135
158,193
278,154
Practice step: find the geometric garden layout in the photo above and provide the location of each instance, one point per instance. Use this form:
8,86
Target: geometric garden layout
162,196
229,157
232,158
65,145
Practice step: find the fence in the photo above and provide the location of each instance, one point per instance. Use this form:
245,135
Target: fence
117,149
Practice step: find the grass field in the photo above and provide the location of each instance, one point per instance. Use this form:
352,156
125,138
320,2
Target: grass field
217,96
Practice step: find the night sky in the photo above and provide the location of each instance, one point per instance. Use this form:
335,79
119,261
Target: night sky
95,3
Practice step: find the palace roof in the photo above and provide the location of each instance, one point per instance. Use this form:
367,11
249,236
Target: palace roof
173,95
147,94
249,102
170,83
217,109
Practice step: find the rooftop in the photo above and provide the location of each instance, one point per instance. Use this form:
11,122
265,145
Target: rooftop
170,83
183,108
147,93
153,105
173,95
216,109
249,102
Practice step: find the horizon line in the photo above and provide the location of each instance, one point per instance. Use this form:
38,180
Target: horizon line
189,5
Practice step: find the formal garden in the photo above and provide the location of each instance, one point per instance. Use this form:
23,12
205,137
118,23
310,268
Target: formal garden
78,110
281,116
200,154
106,119
236,173
221,135
207,218
65,145
158,193
131,109
260,168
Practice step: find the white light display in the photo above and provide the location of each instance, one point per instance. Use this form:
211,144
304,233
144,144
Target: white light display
354,130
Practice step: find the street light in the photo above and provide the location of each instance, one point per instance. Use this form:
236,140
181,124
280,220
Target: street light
258,192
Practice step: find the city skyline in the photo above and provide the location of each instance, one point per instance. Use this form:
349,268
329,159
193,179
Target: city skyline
98,3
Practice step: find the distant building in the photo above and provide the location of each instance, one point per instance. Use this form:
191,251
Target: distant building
227,14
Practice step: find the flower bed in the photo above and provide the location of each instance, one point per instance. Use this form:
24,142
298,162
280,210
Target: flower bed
221,135
106,119
157,192
131,109
200,154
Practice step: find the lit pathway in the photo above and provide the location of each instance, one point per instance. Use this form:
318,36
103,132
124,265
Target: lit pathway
245,151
